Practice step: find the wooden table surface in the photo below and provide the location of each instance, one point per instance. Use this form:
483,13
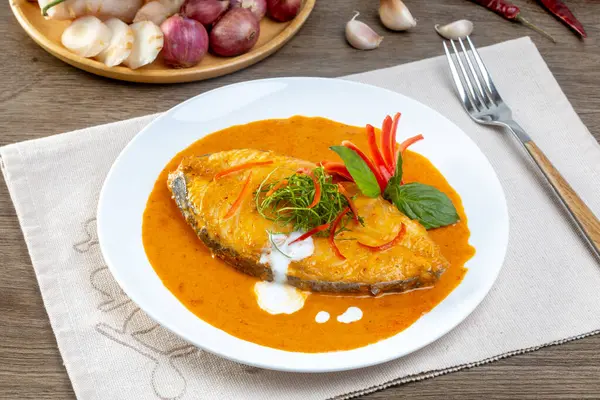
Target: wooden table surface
42,96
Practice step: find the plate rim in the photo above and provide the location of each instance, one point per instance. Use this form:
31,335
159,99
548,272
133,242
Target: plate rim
463,312
163,76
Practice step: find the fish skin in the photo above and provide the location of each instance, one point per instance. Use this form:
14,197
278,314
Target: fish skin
192,186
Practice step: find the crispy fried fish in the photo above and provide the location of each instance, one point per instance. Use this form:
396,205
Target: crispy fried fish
416,261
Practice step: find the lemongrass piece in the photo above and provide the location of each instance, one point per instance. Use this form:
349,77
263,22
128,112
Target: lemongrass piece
120,45
147,43
455,30
172,6
360,35
153,11
86,36
395,15
70,9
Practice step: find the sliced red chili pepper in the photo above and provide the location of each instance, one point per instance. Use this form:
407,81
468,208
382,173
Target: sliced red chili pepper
393,140
313,231
408,142
380,180
389,244
349,200
376,154
275,188
339,169
317,196
241,167
386,135
236,204
334,226
386,174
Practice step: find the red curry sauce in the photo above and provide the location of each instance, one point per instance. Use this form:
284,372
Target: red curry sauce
224,297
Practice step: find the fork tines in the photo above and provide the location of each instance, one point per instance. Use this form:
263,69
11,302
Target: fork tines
480,93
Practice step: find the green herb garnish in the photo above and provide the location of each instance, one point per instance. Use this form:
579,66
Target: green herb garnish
426,204
288,205
418,201
360,171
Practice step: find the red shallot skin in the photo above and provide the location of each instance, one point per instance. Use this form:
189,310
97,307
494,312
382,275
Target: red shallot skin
204,11
283,10
235,33
258,7
185,42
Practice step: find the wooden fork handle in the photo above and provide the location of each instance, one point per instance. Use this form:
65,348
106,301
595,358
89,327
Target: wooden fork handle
583,216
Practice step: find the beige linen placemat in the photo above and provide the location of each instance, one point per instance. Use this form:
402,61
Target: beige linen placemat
548,291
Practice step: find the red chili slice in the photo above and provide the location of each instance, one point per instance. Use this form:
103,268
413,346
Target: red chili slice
317,196
386,133
404,145
349,200
392,140
389,244
236,204
241,167
310,233
338,169
277,187
334,226
376,154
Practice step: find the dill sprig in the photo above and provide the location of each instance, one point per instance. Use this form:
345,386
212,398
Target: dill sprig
288,205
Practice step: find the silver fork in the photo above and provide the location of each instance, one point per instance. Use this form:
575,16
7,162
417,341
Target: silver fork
483,103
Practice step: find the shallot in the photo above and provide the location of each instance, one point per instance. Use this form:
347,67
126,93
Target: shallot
68,9
148,42
235,33
283,10
186,41
120,44
204,11
86,36
360,35
395,15
455,30
258,7
153,11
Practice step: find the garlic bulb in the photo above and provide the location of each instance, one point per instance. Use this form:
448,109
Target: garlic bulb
395,15
361,36
456,29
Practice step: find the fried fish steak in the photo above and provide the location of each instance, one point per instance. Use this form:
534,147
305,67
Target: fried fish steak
415,262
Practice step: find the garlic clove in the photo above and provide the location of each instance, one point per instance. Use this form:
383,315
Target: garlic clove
361,36
395,15
455,30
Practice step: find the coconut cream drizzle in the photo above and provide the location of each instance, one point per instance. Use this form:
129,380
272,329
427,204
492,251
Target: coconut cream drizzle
322,317
277,297
352,314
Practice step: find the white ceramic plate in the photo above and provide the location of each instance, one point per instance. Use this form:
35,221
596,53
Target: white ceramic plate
133,174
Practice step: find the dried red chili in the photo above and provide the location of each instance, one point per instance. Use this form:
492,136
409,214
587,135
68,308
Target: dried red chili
562,12
512,13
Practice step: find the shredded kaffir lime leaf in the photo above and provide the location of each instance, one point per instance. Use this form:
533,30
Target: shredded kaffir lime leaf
288,205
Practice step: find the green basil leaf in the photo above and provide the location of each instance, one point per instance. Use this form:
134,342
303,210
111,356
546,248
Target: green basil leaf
360,171
423,203
399,171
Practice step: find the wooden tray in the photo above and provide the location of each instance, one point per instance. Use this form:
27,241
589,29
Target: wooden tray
47,33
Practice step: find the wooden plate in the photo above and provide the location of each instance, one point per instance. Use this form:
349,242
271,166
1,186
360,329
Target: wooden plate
47,33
